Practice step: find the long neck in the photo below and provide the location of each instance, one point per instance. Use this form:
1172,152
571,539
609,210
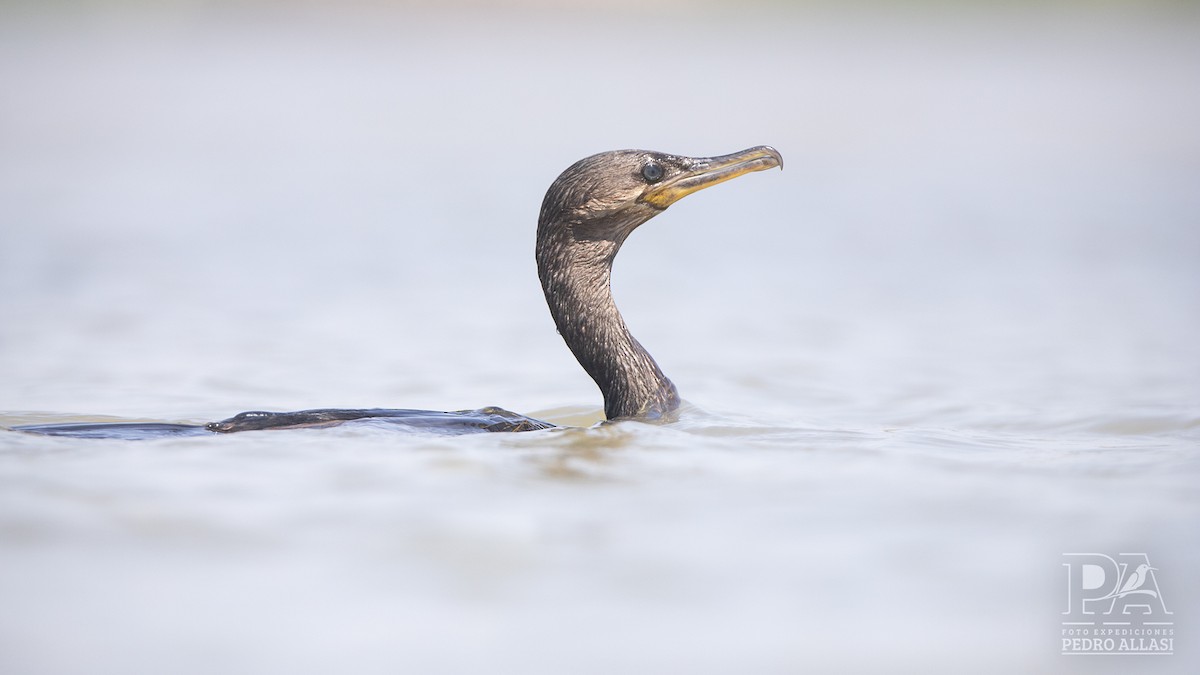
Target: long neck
576,278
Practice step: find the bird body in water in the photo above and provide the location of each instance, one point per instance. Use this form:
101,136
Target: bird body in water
587,214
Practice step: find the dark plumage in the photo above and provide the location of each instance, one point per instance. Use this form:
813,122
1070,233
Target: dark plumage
586,216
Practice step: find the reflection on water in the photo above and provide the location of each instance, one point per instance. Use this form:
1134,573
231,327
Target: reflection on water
952,341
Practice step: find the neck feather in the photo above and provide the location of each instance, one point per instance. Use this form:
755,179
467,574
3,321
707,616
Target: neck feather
576,278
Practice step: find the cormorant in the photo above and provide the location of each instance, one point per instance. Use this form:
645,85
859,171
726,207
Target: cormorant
586,216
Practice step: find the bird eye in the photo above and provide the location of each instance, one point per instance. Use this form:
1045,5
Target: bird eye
652,172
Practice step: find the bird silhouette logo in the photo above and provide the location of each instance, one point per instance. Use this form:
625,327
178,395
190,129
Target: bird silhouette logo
1134,582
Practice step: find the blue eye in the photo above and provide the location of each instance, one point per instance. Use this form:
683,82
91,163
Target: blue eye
652,172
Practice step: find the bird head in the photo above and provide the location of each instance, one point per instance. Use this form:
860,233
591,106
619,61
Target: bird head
606,196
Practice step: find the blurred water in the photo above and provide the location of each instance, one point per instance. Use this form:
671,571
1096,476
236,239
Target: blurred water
953,340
